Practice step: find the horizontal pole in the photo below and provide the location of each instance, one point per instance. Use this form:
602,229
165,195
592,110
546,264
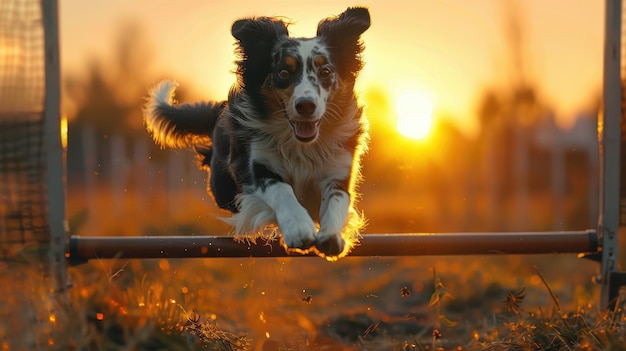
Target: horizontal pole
82,249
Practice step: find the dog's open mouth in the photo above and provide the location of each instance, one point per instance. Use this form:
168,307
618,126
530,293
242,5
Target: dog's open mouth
305,131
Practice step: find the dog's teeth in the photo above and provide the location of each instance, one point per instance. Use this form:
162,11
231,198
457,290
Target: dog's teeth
305,129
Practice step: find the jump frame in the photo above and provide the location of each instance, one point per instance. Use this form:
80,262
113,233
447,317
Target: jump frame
600,244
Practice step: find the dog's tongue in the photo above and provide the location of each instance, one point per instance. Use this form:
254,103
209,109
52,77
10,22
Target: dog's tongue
305,130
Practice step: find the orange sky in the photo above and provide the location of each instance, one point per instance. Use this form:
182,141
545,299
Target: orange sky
449,50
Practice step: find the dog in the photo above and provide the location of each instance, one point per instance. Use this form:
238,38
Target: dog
284,149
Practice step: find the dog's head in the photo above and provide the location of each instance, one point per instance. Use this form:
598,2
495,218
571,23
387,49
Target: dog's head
303,74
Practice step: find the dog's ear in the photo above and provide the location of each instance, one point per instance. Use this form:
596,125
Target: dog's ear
347,26
260,30
256,38
342,34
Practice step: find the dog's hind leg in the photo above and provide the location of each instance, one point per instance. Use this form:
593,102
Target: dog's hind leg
214,159
223,187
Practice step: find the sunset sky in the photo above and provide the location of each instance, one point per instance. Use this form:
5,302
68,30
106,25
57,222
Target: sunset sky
446,50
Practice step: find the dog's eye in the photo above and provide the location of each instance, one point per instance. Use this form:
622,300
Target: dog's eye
283,74
325,73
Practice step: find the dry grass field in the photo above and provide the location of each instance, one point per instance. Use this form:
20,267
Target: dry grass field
535,302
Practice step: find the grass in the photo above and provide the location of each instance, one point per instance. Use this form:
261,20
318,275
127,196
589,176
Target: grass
310,304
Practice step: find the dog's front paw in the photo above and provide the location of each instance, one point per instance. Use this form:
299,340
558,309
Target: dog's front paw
298,231
330,244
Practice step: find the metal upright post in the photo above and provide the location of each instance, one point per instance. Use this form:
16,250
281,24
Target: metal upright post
54,146
609,135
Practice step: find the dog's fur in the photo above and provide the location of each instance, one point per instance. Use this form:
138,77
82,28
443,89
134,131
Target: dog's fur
285,148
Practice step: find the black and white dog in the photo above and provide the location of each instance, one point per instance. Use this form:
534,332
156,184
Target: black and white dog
285,148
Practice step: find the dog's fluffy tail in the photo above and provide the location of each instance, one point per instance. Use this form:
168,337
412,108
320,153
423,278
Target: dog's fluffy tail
176,126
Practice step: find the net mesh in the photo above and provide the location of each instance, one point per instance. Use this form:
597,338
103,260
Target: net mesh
23,213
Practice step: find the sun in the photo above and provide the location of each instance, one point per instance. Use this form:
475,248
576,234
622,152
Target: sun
414,111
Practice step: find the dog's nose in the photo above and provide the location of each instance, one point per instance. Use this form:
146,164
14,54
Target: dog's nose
305,107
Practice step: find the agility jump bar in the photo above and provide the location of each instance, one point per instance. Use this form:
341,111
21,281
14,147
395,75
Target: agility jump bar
84,248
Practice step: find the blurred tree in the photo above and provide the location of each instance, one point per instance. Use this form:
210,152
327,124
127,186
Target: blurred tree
98,102
109,96
509,117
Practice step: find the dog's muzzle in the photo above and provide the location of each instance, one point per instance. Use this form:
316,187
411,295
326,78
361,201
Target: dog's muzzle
305,129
